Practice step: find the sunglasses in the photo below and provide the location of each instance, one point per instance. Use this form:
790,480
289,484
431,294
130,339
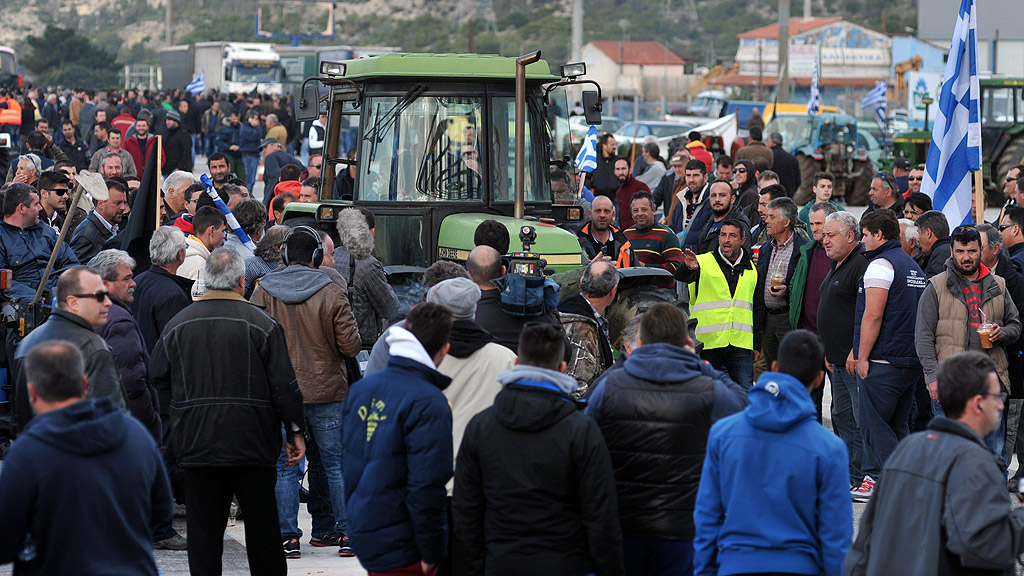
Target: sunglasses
1004,227
98,296
915,178
60,191
740,171
317,166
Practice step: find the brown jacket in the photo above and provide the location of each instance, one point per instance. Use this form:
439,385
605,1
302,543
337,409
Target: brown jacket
313,308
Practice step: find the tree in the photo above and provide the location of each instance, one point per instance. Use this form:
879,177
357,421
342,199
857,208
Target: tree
62,56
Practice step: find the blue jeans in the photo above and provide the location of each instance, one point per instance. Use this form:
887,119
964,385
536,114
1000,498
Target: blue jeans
846,418
737,362
323,429
886,398
208,139
656,557
252,163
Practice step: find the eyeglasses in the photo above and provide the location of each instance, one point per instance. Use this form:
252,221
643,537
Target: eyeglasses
909,212
98,296
1003,396
1005,226
1009,179
740,171
60,191
915,178
317,166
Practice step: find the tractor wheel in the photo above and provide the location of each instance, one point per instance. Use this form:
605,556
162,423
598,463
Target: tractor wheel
808,168
633,302
857,188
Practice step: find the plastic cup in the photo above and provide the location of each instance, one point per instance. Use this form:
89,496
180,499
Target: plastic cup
778,280
985,333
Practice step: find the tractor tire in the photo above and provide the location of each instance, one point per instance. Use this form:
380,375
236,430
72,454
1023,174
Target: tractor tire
857,188
1012,155
808,168
633,302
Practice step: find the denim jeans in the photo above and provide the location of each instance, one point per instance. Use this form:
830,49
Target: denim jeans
323,428
846,419
996,441
886,398
657,557
252,163
737,362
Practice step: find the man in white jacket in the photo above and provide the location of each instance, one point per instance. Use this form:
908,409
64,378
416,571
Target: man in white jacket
208,227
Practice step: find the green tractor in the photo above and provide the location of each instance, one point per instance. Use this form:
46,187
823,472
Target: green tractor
1002,134
438,149
826,142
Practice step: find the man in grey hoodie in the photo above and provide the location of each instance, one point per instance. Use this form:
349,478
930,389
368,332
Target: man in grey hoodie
320,330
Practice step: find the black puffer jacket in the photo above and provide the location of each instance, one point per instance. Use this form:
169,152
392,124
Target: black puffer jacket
555,516
228,412
122,334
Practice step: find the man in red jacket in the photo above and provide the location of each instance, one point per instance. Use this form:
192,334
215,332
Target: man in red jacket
628,185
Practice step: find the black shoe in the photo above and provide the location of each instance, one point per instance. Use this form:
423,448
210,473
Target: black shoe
325,542
176,542
291,549
345,549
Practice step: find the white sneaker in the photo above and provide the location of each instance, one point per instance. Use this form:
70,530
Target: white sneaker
863,492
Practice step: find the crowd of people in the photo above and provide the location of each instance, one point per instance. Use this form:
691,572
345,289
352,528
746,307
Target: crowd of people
477,441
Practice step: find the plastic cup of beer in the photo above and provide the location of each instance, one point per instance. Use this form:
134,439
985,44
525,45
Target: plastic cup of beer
985,333
778,280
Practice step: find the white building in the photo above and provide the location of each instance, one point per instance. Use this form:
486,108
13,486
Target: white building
645,69
1000,31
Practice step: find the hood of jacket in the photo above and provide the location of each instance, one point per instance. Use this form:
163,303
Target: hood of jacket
355,233
534,398
663,363
778,402
403,344
467,337
295,284
85,428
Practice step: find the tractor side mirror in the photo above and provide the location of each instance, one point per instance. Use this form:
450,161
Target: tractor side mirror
592,107
308,108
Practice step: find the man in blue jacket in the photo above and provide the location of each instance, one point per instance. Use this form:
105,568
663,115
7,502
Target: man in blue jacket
744,526
655,413
397,435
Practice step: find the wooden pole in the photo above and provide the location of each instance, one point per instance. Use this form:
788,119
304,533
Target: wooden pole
979,197
159,174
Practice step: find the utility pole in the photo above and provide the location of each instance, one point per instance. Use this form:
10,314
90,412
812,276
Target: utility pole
577,31
170,18
782,87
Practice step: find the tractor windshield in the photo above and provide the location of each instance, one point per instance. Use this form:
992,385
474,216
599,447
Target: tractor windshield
997,105
422,149
796,130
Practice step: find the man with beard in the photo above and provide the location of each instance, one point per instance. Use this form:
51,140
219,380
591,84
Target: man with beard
602,181
689,209
720,199
628,185
967,294
54,188
103,222
141,144
114,147
721,285
220,173
600,237
72,146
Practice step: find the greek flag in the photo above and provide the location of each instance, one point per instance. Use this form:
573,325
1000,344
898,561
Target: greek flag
197,85
876,98
586,160
815,102
232,221
955,150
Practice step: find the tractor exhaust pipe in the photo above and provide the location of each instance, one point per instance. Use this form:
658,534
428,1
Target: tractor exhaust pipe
520,166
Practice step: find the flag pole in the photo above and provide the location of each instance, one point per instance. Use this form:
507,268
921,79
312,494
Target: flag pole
979,197
159,172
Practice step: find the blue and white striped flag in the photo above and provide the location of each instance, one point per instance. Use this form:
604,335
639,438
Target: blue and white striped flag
876,98
232,221
197,85
955,150
814,104
586,160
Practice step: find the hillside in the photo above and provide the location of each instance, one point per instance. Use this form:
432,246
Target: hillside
702,31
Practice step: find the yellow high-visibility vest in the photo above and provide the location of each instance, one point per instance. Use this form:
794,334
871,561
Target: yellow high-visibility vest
721,319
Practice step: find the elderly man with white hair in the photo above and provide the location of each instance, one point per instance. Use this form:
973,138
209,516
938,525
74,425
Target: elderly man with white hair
28,169
175,186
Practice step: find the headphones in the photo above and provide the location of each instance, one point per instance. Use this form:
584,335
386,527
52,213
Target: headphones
318,254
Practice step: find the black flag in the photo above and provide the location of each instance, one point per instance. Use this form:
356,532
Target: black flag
143,219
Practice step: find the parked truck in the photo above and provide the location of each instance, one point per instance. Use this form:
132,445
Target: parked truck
226,66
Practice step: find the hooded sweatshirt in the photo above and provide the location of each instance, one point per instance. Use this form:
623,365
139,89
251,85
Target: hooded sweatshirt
775,488
536,491
97,523
295,284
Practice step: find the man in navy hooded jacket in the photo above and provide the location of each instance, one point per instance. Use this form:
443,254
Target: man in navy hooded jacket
802,521
655,414
397,435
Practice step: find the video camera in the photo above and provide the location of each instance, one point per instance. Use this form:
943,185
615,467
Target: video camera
527,263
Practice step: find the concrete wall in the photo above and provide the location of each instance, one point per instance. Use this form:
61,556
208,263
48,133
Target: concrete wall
996,18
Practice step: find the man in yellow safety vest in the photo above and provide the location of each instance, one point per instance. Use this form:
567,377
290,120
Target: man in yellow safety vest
722,284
